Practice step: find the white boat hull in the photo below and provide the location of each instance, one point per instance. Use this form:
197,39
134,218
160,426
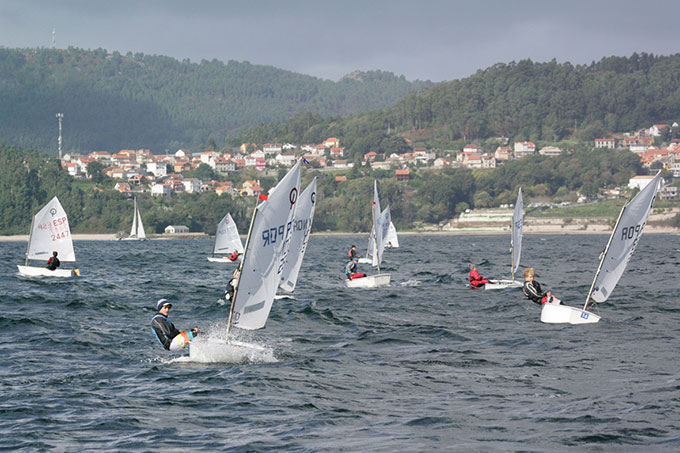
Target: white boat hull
218,259
32,271
371,281
502,284
564,314
365,261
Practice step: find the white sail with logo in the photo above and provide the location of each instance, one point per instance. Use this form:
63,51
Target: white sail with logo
613,261
50,232
382,227
302,227
227,239
265,254
515,245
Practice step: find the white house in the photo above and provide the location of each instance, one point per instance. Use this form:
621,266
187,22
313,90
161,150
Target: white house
640,181
161,190
176,229
159,169
523,149
192,185
605,143
287,159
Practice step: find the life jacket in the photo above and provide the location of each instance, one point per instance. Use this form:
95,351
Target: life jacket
233,256
476,279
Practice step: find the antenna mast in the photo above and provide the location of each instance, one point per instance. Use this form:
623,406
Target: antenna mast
54,38
59,117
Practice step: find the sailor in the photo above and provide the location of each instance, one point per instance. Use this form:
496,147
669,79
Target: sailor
234,256
351,270
353,253
53,263
231,285
532,289
475,278
165,331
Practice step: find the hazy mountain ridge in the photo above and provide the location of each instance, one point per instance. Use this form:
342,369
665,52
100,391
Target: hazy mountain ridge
112,101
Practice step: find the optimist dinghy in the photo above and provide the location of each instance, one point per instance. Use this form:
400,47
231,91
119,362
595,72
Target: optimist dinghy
264,259
226,240
622,243
50,232
516,246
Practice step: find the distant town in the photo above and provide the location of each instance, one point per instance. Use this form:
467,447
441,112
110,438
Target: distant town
162,175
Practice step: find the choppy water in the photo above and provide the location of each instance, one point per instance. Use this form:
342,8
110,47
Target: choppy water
424,365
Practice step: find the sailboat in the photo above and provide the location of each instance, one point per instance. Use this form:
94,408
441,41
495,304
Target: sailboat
622,243
264,258
302,227
515,245
226,240
392,240
137,231
381,224
50,232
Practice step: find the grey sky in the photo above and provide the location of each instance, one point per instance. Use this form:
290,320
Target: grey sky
427,39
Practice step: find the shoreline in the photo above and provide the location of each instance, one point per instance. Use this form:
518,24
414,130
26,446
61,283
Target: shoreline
478,231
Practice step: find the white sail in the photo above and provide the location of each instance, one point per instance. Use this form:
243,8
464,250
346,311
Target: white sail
304,215
370,249
517,223
141,234
51,233
382,226
265,255
226,237
623,241
392,240
133,230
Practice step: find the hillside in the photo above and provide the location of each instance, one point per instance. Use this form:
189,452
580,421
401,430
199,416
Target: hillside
546,102
112,101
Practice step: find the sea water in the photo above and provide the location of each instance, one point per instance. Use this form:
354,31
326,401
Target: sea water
427,364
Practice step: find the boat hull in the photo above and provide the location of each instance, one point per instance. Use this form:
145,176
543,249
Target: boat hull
502,284
32,271
371,281
365,261
223,259
564,314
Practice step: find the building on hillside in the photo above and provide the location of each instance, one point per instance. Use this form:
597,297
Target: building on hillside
337,153
331,142
472,148
523,149
551,151
286,159
503,153
441,163
402,174
640,181
605,143
176,229
272,148
657,129
161,190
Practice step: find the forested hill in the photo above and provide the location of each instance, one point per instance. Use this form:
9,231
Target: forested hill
112,101
522,101
550,101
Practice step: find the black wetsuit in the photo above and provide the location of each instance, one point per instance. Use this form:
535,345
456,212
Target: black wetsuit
353,254
534,292
53,263
231,287
164,330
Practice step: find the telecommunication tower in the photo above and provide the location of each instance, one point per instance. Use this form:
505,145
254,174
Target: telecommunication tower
59,118
54,38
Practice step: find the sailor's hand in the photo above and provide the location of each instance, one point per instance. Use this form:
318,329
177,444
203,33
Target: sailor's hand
195,331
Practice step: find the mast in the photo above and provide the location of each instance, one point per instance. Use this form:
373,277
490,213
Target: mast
136,214
375,238
512,250
240,269
602,258
30,237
